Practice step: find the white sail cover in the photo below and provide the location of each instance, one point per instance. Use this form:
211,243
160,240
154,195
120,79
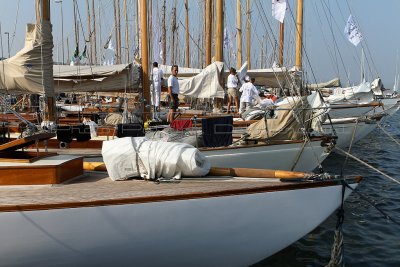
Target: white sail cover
280,77
96,78
206,84
30,70
138,157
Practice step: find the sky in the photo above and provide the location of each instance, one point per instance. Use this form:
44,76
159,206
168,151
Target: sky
327,53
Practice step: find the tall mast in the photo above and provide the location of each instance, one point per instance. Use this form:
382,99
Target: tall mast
299,36
248,33
281,42
119,31
43,14
187,33
164,34
94,33
173,32
239,33
116,32
145,55
219,32
126,33
208,32
89,33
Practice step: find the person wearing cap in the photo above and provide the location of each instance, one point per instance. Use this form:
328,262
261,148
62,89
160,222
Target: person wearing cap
249,94
232,84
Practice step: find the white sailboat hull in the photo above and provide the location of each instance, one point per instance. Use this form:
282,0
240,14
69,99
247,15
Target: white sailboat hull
345,132
218,231
289,156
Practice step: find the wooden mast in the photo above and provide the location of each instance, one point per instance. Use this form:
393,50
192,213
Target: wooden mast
173,33
119,31
145,57
94,32
90,56
281,42
43,14
187,33
299,36
239,33
116,32
248,34
208,32
219,30
126,33
164,34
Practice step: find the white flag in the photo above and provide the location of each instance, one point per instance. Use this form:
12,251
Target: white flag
279,9
352,31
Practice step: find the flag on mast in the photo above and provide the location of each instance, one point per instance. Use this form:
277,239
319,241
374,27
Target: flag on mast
352,31
279,9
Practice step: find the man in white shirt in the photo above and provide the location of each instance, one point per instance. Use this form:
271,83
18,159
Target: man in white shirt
173,91
233,94
249,93
156,92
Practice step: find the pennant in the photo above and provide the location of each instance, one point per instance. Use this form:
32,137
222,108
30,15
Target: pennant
352,31
279,9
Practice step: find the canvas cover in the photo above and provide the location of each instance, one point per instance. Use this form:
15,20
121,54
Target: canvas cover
31,70
289,120
276,77
139,157
206,84
332,83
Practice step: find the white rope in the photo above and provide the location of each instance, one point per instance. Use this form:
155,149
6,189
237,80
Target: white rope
368,165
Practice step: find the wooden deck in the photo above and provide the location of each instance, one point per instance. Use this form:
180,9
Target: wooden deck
97,189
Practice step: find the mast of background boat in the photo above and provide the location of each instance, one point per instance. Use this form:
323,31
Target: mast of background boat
187,33
299,35
164,34
239,33
208,32
281,42
145,57
90,48
126,33
116,32
43,14
173,32
248,34
219,30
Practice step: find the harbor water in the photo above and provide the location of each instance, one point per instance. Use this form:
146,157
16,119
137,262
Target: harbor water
370,239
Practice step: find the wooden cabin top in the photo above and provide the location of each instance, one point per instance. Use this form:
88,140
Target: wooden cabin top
97,189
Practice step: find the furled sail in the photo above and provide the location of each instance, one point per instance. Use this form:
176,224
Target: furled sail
31,70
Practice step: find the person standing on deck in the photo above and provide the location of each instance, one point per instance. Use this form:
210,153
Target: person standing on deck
233,94
156,92
173,91
249,93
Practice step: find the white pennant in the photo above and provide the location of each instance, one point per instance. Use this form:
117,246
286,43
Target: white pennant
279,9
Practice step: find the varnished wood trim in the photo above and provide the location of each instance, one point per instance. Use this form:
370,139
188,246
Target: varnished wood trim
151,199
